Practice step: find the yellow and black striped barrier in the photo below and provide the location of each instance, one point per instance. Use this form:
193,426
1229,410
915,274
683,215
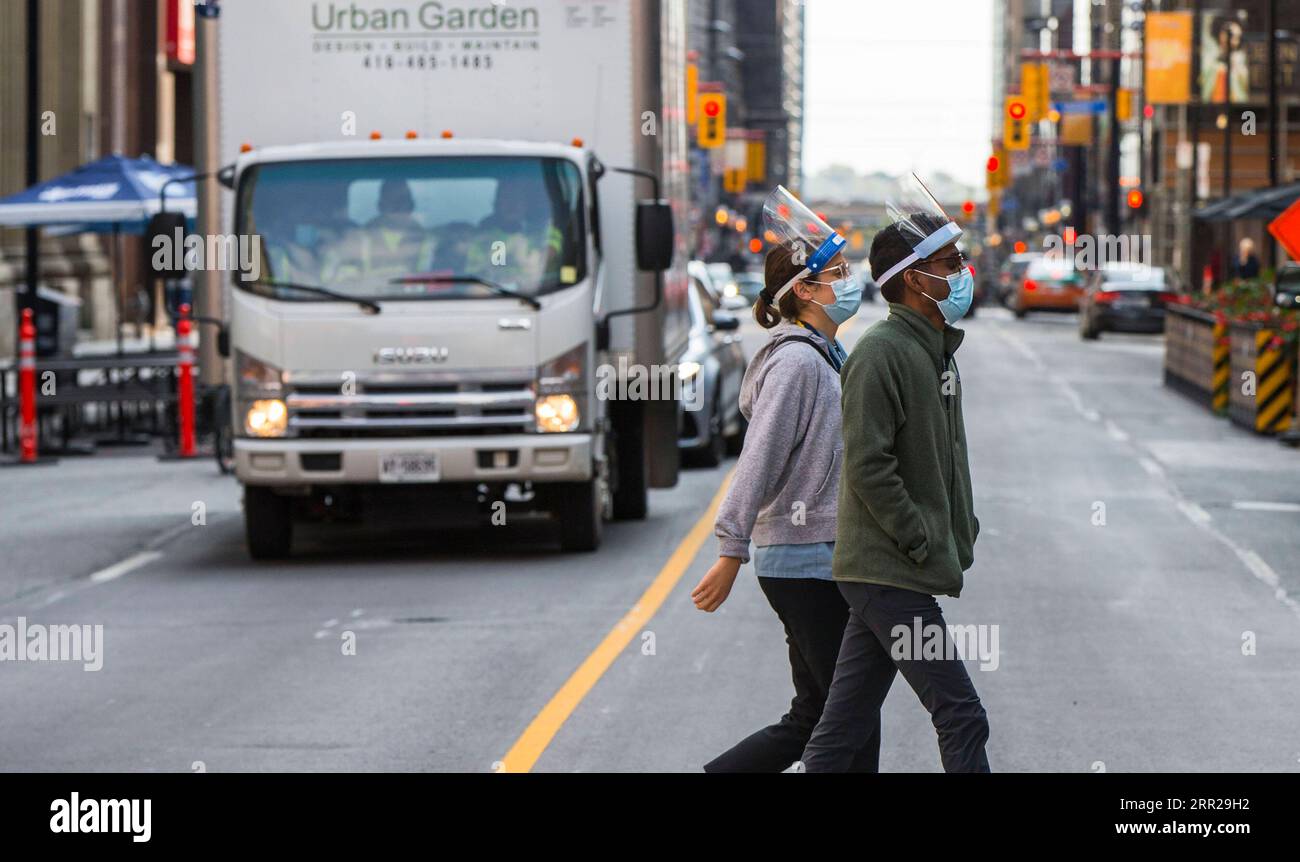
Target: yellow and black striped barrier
1262,390
1222,369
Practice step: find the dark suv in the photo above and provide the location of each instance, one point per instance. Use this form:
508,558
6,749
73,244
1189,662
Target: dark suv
1286,286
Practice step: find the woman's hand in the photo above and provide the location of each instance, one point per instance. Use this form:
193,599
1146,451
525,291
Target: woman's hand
715,586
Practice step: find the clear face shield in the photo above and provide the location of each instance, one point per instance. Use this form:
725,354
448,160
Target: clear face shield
799,229
920,220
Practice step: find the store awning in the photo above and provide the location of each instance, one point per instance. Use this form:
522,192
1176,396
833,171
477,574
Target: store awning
1266,204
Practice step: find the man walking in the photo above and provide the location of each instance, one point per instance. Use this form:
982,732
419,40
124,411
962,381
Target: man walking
906,526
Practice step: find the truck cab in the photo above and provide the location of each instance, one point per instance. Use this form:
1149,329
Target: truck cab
419,337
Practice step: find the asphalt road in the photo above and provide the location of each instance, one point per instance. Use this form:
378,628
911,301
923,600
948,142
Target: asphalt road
1120,643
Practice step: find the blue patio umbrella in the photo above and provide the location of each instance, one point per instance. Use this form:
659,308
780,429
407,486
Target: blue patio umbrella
112,194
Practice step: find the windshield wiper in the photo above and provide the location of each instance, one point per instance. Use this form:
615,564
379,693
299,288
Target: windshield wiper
498,289
370,306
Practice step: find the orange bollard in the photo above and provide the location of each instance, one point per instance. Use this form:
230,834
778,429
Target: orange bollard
27,387
185,382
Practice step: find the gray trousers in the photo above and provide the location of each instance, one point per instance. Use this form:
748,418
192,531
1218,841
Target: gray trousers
865,670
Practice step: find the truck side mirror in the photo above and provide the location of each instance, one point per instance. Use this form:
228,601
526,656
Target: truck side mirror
165,230
654,235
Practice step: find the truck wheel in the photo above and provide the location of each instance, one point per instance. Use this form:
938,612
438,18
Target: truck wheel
578,511
268,523
628,474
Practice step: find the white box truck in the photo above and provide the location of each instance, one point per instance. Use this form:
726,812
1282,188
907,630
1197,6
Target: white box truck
464,211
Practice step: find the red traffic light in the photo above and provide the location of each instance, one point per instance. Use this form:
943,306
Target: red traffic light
1135,198
968,207
711,107
992,165
1016,110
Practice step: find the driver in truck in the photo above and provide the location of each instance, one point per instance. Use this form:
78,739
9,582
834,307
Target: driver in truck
521,221
393,244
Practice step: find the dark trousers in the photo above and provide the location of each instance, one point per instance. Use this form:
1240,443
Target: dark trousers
866,670
814,614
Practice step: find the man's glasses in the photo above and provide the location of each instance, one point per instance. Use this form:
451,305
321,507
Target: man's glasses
952,262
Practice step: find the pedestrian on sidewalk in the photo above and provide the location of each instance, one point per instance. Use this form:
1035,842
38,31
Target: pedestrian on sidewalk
907,527
784,492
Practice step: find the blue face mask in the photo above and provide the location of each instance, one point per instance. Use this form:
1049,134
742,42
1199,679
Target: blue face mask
961,292
848,296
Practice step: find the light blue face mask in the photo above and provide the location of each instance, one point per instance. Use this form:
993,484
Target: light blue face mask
961,292
848,296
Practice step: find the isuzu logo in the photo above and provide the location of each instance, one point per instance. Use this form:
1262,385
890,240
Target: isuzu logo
410,355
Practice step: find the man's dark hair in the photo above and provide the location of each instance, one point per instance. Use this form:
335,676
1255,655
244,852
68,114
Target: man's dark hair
892,245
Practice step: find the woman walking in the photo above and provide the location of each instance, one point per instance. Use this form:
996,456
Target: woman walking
784,494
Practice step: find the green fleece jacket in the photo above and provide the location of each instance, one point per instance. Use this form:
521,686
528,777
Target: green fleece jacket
906,518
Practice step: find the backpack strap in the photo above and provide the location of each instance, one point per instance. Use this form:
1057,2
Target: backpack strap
808,339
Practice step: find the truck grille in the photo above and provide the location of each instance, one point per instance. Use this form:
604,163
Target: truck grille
386,407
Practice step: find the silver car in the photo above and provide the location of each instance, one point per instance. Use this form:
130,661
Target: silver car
711,371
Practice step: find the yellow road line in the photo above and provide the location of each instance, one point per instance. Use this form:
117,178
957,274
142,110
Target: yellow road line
539,733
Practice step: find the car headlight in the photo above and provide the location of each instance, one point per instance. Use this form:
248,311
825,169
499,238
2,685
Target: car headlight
557,413
266,417
561,385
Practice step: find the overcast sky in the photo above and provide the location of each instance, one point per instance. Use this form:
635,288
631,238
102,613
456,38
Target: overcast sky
898,85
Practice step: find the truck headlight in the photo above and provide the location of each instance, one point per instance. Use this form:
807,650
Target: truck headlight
561,385
556,413
266,417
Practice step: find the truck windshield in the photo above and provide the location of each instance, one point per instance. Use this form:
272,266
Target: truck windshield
414,228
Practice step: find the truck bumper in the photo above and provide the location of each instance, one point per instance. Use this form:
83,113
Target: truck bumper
528,457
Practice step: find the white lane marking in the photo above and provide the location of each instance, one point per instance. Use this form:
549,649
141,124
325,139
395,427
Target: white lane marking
1264,506
119,569
1258,567
1194,512
356,612
1019,345
1116,433
1152,468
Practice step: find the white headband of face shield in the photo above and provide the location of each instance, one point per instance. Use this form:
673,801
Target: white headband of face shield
925,248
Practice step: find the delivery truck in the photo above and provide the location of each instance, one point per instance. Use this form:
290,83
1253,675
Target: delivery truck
463,214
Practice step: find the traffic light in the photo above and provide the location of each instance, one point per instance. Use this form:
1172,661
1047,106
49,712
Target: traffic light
992,174
712,126
1033,80
1015,124
1135,199
968,208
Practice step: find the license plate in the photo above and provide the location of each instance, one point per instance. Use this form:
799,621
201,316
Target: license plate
409,467
1133,302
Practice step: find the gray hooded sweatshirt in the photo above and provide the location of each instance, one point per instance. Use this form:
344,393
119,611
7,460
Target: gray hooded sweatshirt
787,479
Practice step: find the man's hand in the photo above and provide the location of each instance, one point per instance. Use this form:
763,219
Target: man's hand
715,586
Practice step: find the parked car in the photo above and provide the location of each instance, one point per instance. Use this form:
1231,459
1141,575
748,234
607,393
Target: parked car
1286,286
1125,297
717,282
1049,284
862,272
750,284
1011,274
711,371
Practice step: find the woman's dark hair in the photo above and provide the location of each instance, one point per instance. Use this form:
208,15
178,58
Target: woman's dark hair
778,268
